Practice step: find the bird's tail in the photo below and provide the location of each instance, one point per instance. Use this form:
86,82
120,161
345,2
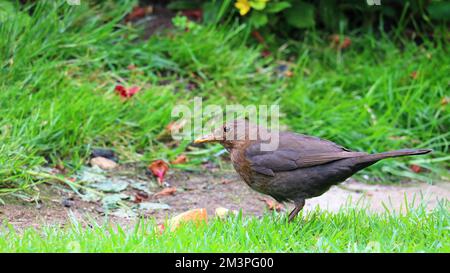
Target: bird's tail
405,152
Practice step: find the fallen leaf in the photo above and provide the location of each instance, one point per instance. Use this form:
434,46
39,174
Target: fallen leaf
140,196
159,169
166,191
414,75
346,43
415,168
336,42
141,186
265,53
194,14
90,197
226,181
110,201
175,126
91,175
181,159
126,92
60,169
197,216
273,205
288,73
110,185
138,12
103,163
222,212
257,35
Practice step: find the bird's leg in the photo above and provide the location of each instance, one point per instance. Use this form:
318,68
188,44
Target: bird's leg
298,207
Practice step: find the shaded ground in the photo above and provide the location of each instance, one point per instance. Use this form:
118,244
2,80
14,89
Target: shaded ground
211,190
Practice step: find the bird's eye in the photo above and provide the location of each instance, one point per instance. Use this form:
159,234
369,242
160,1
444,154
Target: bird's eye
226,129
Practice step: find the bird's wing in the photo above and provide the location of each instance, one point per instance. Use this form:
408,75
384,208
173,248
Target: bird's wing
295,151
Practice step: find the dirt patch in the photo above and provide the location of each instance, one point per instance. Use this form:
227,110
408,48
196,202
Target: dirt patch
214,189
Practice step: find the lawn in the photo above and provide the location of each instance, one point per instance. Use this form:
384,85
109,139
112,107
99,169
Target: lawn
59,67
350,230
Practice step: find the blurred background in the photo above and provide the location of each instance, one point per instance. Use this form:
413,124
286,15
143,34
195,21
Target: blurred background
369,75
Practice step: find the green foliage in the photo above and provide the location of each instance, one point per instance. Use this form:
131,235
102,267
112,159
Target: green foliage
285,16
300,15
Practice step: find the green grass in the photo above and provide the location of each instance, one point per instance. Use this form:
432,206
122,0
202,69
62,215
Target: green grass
59,65
349,230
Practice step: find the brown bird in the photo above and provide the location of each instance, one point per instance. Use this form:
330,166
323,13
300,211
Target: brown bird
301,167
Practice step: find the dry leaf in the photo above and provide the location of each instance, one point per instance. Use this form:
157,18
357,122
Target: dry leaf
346,43
166,191
222,212
226,181
140,196
288,73
414,75
181,159
138,12
175,126
103,163
336,42
126,93
197,216
265,53
273,205
159,169
415,168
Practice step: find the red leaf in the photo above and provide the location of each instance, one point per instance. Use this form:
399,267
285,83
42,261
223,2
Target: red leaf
133,90
415,168
140,196
159,169
126,92
265,53
138,12
336,42
166,191
195,14
346,43
181,159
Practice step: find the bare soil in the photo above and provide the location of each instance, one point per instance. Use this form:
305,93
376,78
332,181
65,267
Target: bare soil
212,189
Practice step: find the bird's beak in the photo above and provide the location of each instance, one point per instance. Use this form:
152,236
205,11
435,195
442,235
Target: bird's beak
204,139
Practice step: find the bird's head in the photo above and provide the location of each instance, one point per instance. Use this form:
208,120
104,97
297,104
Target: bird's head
234,134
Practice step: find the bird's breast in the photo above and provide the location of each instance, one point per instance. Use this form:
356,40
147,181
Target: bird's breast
241,165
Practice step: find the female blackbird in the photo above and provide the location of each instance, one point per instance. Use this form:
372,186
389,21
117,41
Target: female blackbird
300,167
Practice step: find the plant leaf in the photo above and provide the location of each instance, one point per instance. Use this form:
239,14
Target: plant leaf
301,15
277,7
258,19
